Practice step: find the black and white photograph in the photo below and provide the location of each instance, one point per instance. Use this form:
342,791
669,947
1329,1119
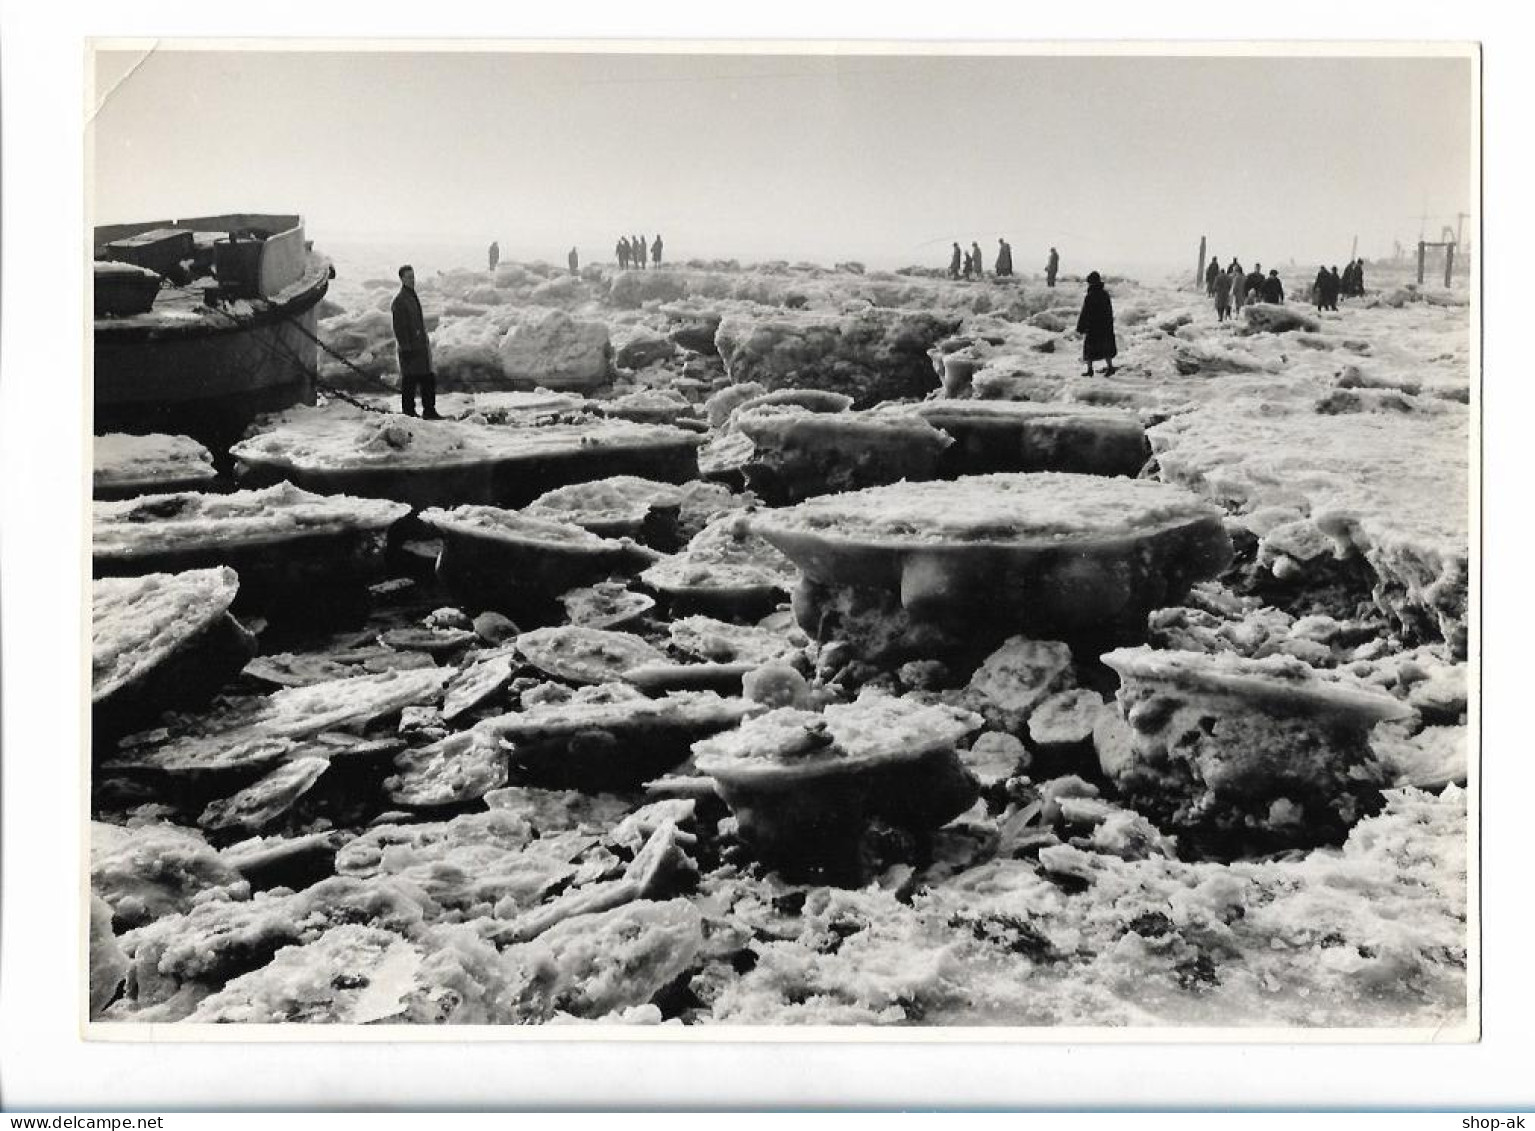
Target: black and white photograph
632,539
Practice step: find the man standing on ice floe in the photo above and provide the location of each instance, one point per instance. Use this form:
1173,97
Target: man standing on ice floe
1319,289
1004,258
640,252
1223,296
1096,325
574,261
1273,289
1336,285
954,263
1210,272
622,251
1238,286
1051,267
655,251
495,254
414,349
975,256
1255,284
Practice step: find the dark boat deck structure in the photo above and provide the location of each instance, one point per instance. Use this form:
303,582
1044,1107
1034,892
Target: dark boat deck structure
214,353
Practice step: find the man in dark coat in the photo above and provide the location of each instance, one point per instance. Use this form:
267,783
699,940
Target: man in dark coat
975,256
1273,289
1210,272
414,349
969,266
655,250
574,262
641,251
495,254
622,251
1222,296
1359,276
1319,289
1238,286
1052,266
1004,258
1096,325
1335,285
1255,284
954,262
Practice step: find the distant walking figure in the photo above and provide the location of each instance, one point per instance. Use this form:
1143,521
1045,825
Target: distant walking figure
975,254
1238,286
954,263
1359,276
495,254
1255,283
1052,265
1210,272
1336,284
655,250
1273,289
622,251
641,251
575,262
1096,325
969,268
1004,258
1223,296
414,349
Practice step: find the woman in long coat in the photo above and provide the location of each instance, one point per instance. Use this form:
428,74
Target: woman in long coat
1096,325
1222,296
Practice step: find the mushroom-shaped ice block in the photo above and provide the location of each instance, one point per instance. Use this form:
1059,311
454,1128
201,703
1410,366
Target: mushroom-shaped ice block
804,786
913,568
799,454
725,570
495,558
991,436
1239,755
621,506
444,463
282,541
610,736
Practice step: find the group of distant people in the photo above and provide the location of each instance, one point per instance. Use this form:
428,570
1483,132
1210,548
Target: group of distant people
571,258
632,251
970,265
1330,284
1232,288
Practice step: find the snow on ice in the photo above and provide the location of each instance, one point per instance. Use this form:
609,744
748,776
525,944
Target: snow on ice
794,645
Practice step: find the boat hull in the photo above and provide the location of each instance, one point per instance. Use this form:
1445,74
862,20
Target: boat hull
211,385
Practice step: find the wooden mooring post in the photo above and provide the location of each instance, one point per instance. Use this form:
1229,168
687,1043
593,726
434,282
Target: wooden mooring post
1199,272
1449,258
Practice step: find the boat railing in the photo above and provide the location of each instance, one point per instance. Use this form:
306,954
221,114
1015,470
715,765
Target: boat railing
257,255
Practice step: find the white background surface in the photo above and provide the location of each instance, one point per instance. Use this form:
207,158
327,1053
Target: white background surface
44,478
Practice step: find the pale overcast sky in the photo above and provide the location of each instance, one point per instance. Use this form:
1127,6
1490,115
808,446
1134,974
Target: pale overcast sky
1122,162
